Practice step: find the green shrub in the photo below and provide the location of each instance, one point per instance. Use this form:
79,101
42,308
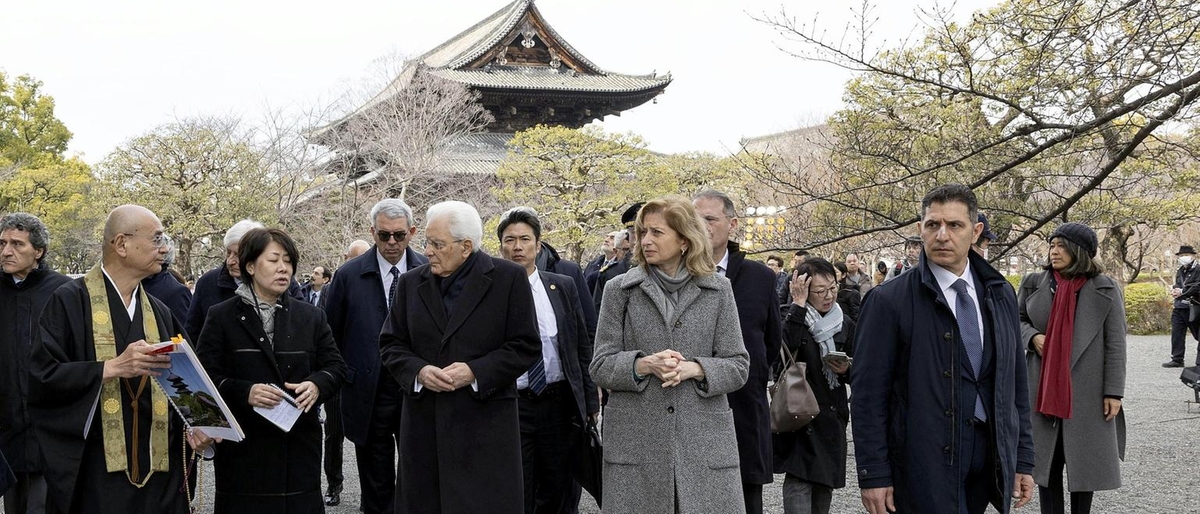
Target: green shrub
1147,309
1014,281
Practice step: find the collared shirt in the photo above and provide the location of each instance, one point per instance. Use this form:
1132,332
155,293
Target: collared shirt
723,265
548,330
385,269
946,279
131,309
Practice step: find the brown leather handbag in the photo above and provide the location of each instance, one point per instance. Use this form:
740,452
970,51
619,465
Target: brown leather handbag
793,405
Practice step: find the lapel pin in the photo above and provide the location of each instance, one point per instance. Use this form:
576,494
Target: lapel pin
552,287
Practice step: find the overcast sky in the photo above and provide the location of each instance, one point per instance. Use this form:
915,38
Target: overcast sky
119,68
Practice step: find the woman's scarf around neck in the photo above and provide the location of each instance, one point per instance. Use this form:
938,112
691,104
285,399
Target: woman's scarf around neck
823,328
1054,390
266,311
670,286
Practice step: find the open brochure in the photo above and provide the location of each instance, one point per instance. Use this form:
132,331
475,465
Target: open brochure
283,415
193,394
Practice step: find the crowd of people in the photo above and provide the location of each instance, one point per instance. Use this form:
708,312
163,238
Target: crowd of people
469,382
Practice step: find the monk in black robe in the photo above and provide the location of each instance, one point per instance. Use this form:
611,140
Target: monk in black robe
111,442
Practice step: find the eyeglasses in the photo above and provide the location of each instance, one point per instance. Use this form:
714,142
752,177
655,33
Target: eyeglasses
399,235
158,240
439,245
831,291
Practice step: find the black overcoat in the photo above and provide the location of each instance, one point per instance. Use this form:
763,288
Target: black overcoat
758,313
357,306
213,287
817,452
460,451
20,306
270,470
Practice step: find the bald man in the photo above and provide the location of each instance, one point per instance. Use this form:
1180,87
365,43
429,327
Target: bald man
110,441
358,247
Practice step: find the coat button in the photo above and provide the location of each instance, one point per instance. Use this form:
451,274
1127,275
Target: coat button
946,373
260,339
949,336
678,323
949,412
671,410
862,472
946,450
243,318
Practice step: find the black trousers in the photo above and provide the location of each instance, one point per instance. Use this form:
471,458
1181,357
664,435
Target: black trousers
1180,326
334,434
377,458
547,438
752,493
1051,498
979,475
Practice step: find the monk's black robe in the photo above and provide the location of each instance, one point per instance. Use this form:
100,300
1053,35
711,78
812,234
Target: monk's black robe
64,386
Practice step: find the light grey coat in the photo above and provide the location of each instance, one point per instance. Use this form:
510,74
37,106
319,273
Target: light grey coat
1093,447
668,444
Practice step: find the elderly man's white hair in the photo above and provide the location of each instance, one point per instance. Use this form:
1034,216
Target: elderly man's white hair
464,221
234,234
392,209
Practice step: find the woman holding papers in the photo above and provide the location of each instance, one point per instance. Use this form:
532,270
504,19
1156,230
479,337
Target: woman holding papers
274,360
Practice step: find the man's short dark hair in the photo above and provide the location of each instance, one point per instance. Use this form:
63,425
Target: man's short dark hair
841,267
778,260
521,214
801,253
39,236
947,193
726,202
255,242
817,266
325,272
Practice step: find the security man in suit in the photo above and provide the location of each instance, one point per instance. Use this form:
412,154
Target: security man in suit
357,305
557,394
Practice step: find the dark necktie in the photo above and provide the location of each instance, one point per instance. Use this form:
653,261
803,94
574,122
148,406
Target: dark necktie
395,282
968,328
537,377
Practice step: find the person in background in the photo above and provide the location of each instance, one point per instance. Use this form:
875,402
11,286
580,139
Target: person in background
847,294
813,459
608,256
264,347
1185,291
775,263
857,275
26,284
759,318
912,252
1073,321
986,238
164,286
669,347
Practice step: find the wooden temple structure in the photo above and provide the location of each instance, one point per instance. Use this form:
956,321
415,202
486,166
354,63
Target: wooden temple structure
526,74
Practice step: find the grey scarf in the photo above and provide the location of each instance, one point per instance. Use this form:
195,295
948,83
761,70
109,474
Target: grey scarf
670,286
823,328
266,311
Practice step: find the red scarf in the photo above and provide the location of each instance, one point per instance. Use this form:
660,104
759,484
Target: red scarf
1054,392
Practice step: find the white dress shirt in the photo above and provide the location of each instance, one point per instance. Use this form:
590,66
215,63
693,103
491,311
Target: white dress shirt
946,279
723,265
385,269
547,330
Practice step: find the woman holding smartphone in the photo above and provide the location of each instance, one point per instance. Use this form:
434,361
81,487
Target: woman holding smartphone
816,332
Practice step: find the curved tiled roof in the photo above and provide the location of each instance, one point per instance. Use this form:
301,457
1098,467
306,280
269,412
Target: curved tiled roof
546,79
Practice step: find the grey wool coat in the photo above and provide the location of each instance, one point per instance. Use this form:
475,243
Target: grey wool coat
677,443
1093,447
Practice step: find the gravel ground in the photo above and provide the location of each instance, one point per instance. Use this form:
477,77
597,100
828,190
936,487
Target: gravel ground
1161,471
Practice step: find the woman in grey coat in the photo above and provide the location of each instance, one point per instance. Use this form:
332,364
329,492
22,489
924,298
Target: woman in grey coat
1073,319
669,347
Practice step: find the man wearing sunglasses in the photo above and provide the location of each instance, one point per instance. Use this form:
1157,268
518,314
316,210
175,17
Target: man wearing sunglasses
358,301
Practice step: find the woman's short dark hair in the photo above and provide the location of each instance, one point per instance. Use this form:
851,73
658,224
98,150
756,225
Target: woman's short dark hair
778,260
255,242
817,266
1082,264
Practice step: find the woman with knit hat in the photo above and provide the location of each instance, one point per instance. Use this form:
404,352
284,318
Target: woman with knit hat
1073,321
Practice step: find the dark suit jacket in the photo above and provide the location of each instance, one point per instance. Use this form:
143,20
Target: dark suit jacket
762,332
237,355
213,287
571,270
574,341
357,306
170,292
460,451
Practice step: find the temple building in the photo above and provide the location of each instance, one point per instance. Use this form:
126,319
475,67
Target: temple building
525,74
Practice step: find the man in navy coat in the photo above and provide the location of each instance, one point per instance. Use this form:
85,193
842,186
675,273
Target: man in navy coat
758,312
357,304
941,401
